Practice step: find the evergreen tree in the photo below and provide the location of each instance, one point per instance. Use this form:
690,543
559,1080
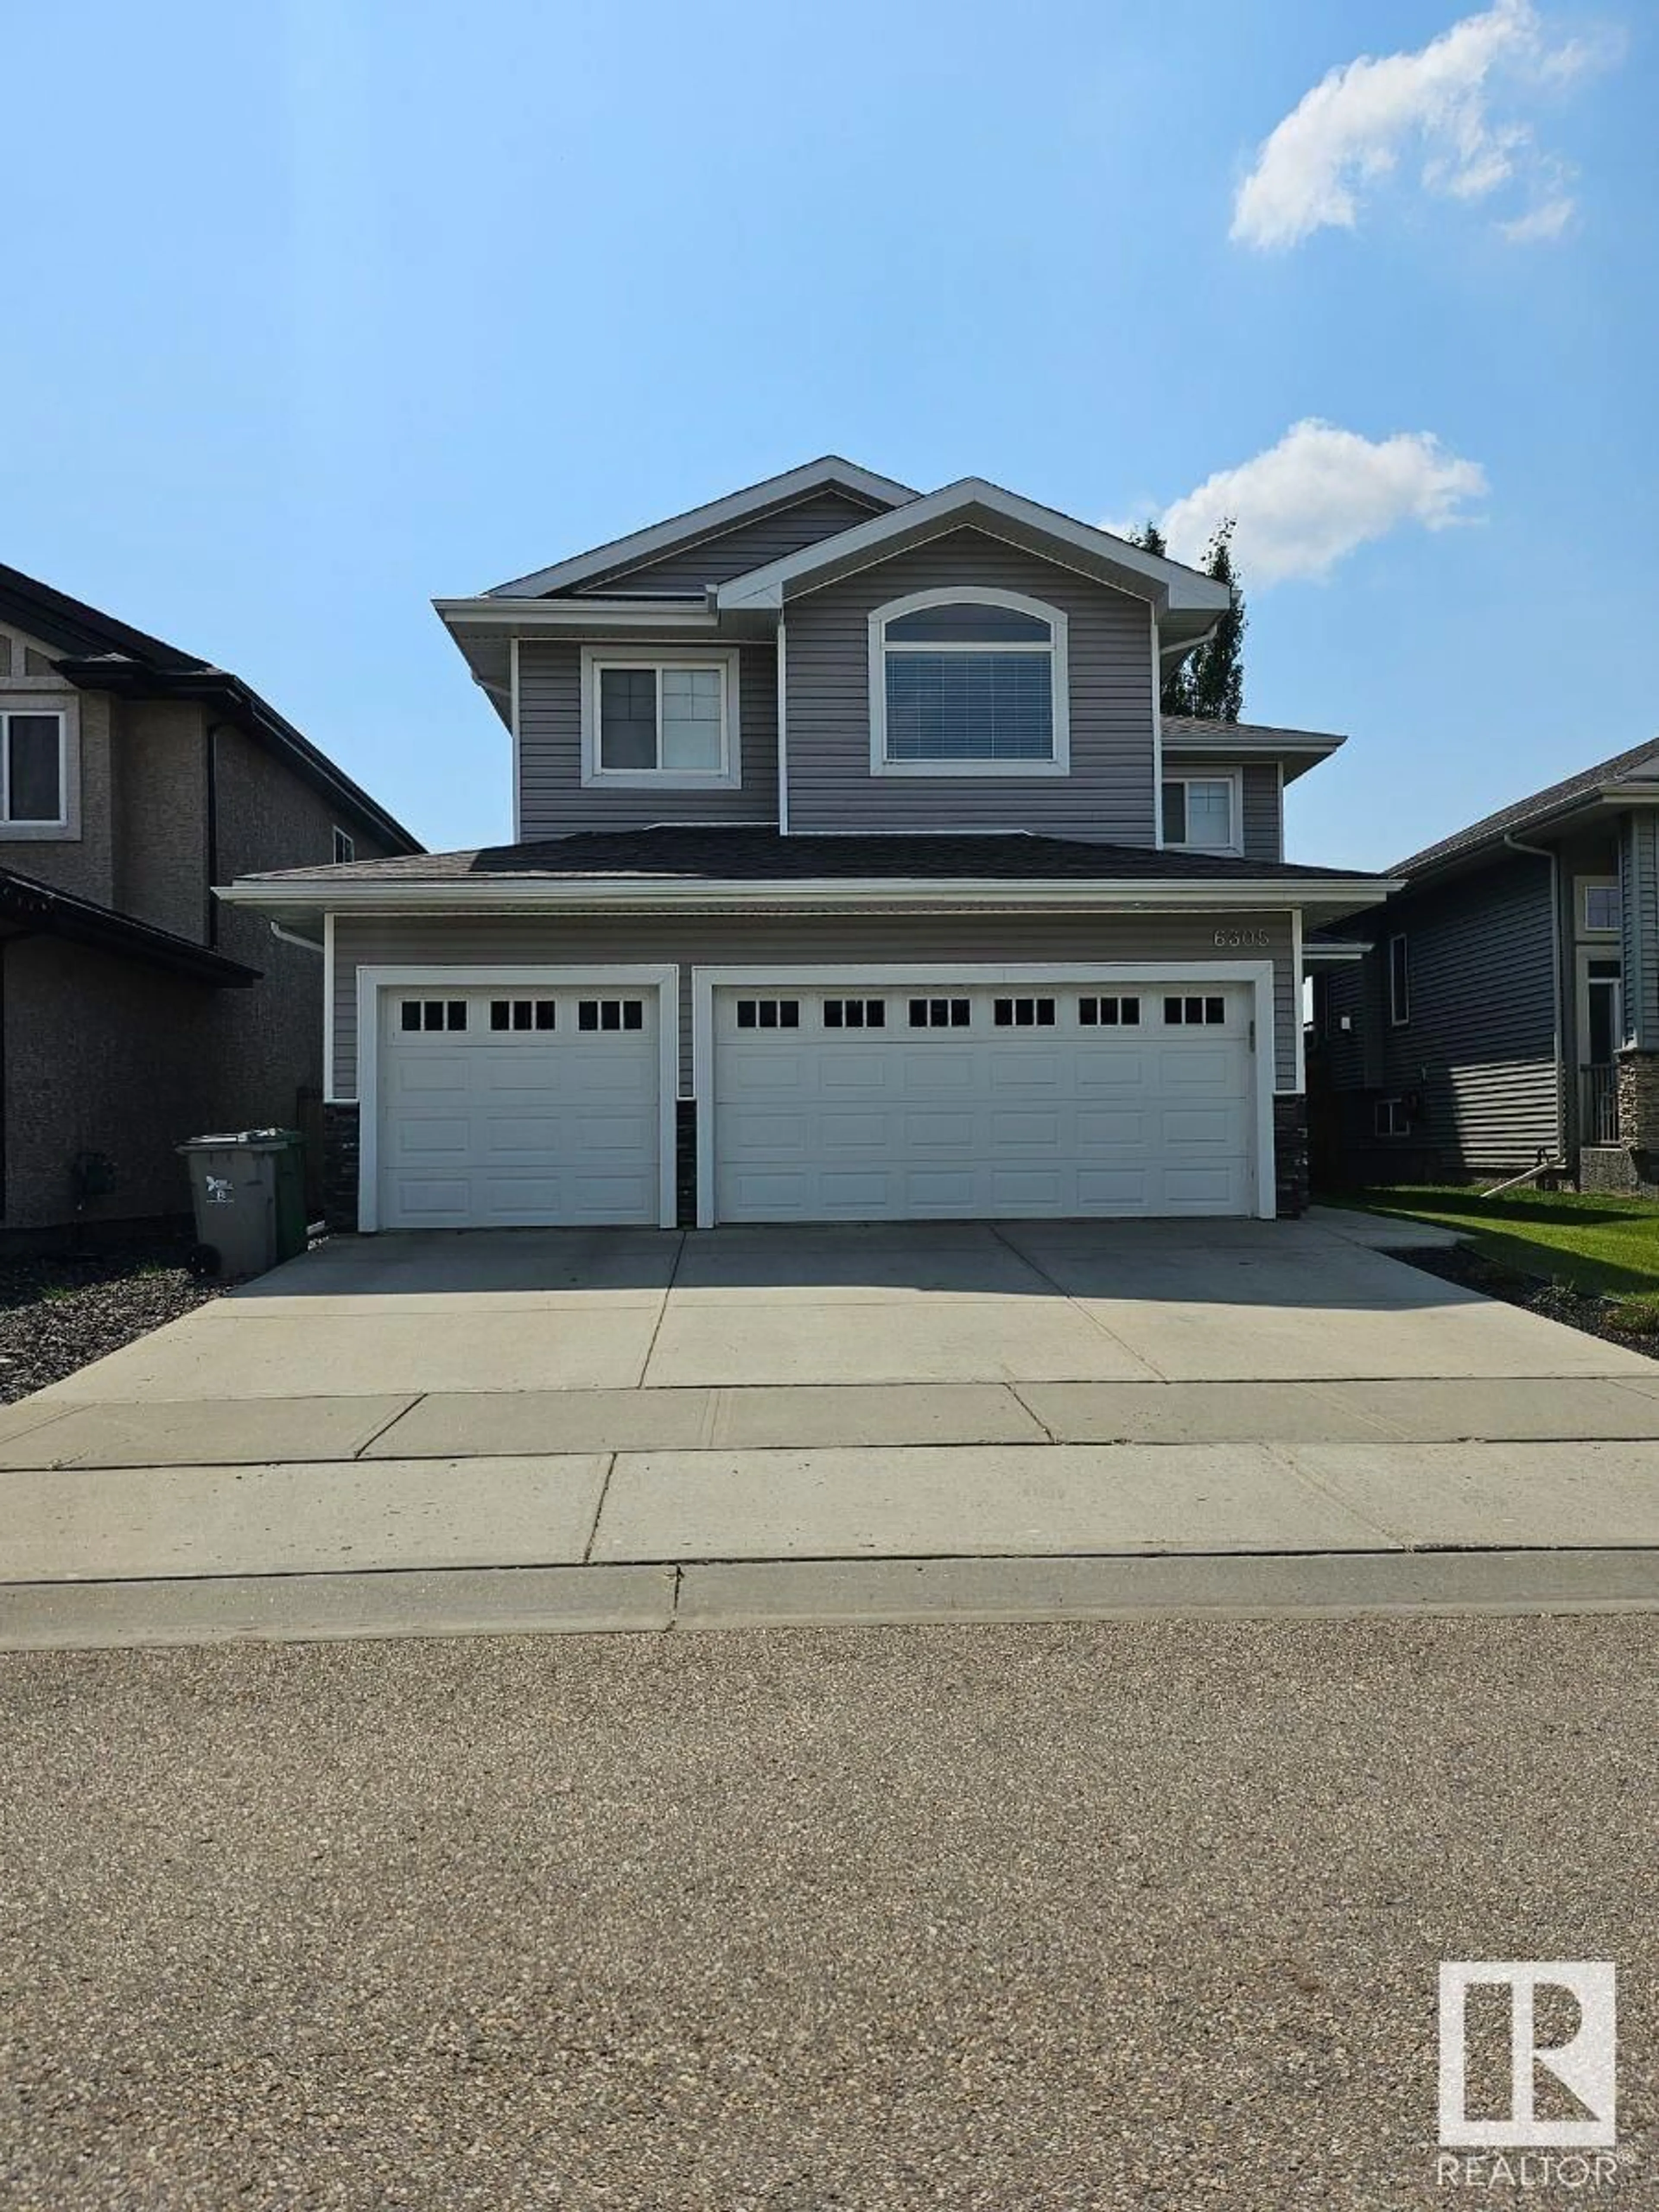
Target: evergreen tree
1208,683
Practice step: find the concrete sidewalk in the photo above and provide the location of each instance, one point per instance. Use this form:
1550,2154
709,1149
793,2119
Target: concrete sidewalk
423,1434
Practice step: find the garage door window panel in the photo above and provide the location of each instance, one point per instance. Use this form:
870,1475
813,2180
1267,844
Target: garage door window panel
424,1016
1023,1013
941,1014
968,683
599,1016
855,1013
1194,1012
769,1013
1108,1013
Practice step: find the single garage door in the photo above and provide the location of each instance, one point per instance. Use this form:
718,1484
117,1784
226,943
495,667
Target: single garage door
995,1100
517,1106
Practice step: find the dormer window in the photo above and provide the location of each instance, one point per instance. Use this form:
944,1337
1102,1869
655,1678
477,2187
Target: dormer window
658,717
968,682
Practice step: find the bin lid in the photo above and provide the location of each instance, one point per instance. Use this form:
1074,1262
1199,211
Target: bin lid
265,1140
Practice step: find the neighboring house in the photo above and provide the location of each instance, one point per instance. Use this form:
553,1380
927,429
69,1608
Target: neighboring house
1507,1011
854,877
136,1013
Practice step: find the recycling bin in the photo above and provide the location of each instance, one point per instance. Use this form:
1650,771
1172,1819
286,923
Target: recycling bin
248,1189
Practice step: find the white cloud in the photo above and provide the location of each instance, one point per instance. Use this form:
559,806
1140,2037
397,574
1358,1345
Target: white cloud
1353,129
1303,505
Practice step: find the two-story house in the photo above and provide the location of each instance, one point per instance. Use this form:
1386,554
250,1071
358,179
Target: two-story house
133,1011
1507,1011
854,877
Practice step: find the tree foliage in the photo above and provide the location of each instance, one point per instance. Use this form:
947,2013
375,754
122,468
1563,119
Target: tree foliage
1209,682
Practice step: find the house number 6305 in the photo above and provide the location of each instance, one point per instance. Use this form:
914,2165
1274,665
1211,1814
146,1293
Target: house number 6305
1241,936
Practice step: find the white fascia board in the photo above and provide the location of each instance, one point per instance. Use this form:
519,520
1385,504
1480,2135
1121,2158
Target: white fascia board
1166,583
839,893
639,545
521,617
1239,745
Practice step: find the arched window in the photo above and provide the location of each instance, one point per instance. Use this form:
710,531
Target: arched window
968,682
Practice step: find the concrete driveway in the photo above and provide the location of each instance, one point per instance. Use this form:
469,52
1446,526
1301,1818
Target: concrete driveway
828,1423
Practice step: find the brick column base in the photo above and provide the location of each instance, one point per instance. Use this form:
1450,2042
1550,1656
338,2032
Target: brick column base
340,1164
1291,1157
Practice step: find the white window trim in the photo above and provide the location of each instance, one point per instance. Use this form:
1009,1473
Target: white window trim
727,777
1586,886
1234,779
374,983
1398,1020
1394,1107
978,595
66,822
940,976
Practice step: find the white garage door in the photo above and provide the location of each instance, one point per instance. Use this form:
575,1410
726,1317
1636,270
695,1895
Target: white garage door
517,1106
1010,1100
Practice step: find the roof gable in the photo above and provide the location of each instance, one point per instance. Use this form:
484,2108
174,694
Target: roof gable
1180,596
715,517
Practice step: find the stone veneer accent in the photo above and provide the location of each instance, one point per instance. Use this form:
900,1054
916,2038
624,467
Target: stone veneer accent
1639,1100
1290,1155
340,1164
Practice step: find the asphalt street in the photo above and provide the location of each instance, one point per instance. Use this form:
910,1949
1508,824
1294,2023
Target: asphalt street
1079,1917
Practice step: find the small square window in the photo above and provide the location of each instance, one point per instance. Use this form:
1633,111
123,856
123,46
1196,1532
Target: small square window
1391,1118
1601,908
545,1014
455,1014
409,1014
522,1016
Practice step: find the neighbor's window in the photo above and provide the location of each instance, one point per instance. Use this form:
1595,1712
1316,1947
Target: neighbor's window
1392,1118
345,845
1602,906
1400,982
31,769
968,683
661,719
1198,813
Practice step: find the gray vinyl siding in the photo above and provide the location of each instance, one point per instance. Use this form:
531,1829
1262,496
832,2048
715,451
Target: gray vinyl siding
1109,793
1339,993
553,800
1638,885
692,940
1263,811
688,568
1480,1044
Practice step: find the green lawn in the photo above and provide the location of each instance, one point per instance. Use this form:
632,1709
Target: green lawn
1595,1244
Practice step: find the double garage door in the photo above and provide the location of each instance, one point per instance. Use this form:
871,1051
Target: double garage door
518,1105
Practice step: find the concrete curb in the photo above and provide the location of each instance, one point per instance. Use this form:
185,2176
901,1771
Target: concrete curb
823,1593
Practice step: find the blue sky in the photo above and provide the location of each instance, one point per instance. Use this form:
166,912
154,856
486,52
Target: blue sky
320,311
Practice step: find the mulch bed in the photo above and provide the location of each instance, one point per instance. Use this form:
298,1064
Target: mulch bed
1582,1310
58,1314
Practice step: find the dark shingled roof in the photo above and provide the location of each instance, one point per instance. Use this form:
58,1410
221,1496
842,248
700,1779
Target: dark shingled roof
1199,728
1639,765
31,908
762,855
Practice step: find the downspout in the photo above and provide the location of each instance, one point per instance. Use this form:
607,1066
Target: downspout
210,905
293,936
1545,853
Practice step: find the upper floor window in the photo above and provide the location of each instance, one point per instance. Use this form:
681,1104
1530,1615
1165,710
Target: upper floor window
968,682
1602,906
1200,812
345,845
33,770
653,718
